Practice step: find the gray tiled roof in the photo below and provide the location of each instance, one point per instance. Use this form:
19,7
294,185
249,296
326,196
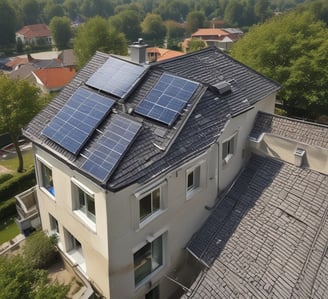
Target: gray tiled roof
302,131
268,237
158,148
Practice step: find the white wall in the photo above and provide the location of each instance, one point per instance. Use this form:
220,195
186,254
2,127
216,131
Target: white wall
94,241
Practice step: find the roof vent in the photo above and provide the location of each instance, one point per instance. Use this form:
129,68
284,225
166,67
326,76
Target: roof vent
223,87
299,157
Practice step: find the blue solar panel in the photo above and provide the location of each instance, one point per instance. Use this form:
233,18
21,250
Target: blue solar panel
77,119
104,156
115,76
167,98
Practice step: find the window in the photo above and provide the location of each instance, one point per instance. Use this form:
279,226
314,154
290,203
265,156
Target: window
228,148
149,204
148,259
53,224
87,204
193,178
46,178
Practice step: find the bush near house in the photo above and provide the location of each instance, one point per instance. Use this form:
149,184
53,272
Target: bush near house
7,209
17,184
5,177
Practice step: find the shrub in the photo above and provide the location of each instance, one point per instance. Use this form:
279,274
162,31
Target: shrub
40,250
7,208
17,184
5,177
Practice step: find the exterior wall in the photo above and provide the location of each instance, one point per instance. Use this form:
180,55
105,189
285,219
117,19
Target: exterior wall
94,241
240,126
177,221
315,158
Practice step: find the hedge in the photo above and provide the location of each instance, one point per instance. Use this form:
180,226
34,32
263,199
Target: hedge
8,208
5,177
17,184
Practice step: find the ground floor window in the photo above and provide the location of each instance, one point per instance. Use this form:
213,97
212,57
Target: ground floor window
148,259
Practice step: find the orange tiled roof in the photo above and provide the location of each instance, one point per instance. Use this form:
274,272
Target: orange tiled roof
164,53
55,77
210,31
36,30
17,61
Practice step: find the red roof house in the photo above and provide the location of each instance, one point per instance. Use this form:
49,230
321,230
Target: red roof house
33,34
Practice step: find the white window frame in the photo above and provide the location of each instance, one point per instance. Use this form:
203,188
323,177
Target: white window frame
80,212
150,241
196,179
231,150
41,164
153,212
54,226
139,195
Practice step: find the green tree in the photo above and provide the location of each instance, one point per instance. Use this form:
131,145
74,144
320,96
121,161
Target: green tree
53,10
291,49
195,20
7,23
153,30
96,35
18,279
72,9
61,31
19,104
196,44
31,11
234,12
175,33
127,21
261,10
173,10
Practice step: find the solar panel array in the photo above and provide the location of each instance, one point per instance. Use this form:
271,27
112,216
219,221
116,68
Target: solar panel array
167,99
77,120
103,157
115,76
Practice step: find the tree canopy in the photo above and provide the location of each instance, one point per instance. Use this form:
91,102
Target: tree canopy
97,35
153,30
61,31
7,23
291,49
19,103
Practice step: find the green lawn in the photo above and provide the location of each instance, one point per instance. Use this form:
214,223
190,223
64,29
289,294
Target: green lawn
8,230
12,163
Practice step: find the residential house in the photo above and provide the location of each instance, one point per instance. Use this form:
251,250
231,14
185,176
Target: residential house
130,159
267,237
53,79
35,34
158,54
222,38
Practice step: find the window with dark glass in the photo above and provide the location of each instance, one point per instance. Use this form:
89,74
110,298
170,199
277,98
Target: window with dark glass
86,204
149,204
148,259
46,178
193,179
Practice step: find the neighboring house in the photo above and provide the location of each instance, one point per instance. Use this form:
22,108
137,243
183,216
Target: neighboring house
158,54
222,38
130,158
267,237
53,79
35,34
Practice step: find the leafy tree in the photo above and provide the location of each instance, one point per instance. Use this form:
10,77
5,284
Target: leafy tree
102,8
7,23
61,31
261,10
40,250
153,29
72,9
175,33
195,20
31,11
18,279
291,49
196,44
173,10
127,21
52,10
96,35
19,103
234,12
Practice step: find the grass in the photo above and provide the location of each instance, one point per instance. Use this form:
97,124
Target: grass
12,163
8,230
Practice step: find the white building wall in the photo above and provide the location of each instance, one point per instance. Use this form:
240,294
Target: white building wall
94,240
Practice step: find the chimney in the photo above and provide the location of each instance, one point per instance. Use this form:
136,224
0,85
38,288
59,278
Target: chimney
299,155
138,51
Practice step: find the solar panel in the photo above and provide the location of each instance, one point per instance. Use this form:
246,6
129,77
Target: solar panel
104,156
77,119
167,98
115,76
